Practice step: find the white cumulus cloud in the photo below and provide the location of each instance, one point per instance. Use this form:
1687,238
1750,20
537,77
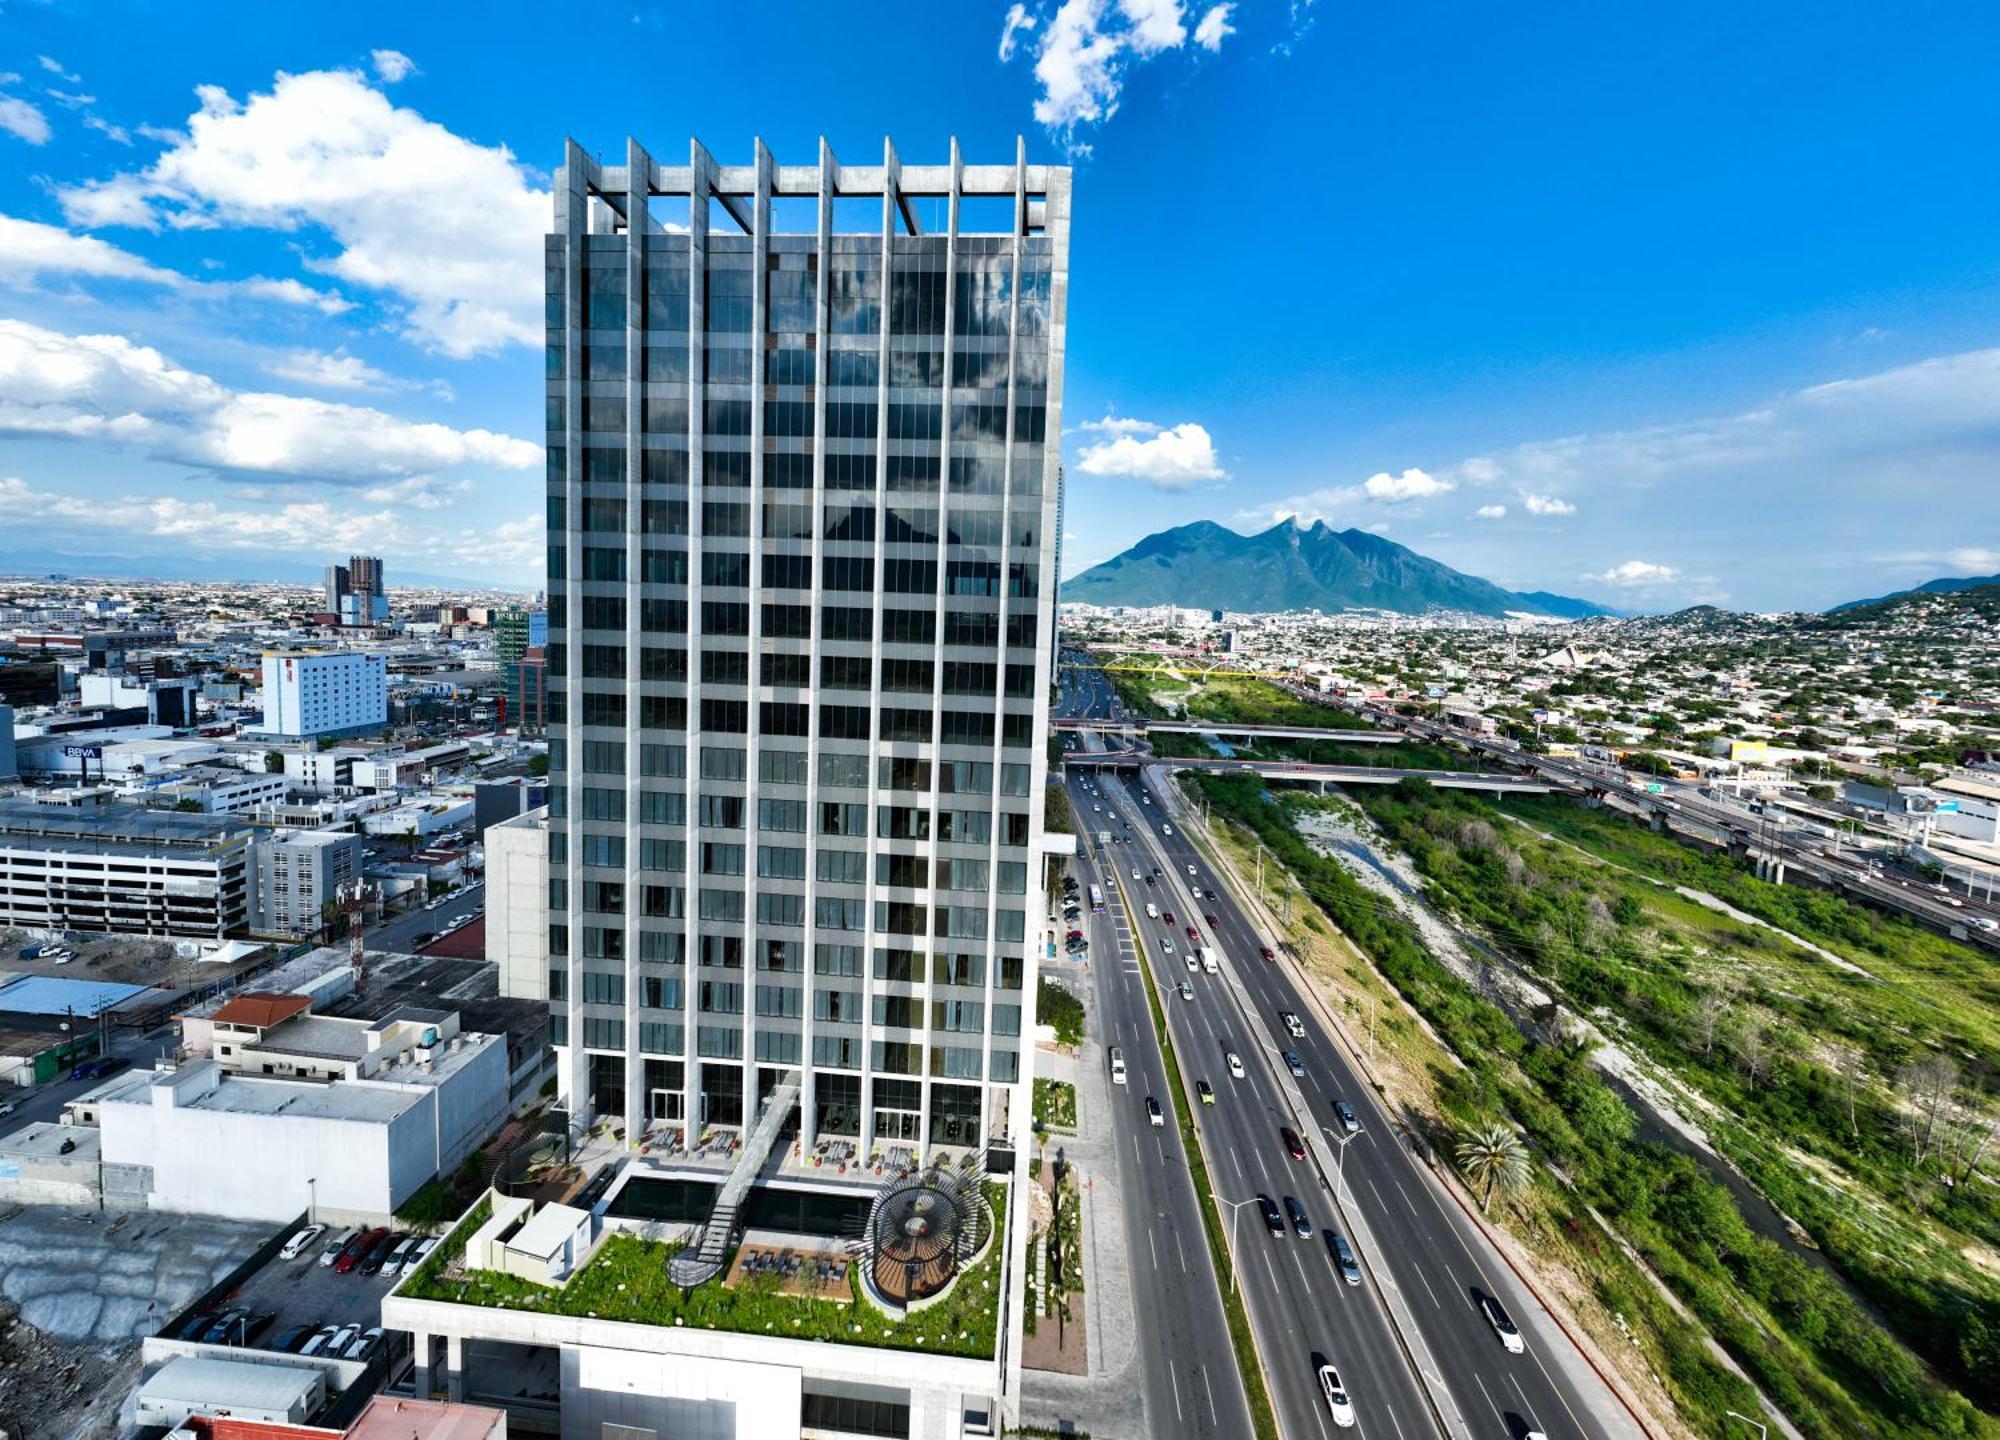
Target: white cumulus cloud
1017,22
1215,27
1412,484
1546,504
106,388
24,120
31,252
1490,512
1168,457
392,65
1634,574
1086,48
447,229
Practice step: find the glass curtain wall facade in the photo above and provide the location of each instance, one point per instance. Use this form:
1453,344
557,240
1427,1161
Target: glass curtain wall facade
802,478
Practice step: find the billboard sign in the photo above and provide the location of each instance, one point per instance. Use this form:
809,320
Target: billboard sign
84,752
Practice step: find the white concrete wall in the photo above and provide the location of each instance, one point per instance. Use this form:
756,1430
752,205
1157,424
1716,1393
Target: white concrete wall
517,904
252,1167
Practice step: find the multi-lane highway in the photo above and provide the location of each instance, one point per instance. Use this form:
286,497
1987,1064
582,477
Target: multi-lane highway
1192,1385
1296,1300
1411,1343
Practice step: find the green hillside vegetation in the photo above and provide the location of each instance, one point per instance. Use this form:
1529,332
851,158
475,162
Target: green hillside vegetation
1809,1345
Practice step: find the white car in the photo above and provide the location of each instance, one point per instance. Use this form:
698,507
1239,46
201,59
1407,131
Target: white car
296,1246
1153,1112
334,1246
1503,1325
1168,831
1192,962
1235,1065
1294,1027
1167,944
1187,991
1190,871
399,1258
1136,876
1337,1403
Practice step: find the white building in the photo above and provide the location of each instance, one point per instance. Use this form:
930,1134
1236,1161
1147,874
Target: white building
517,904
298,871
292,1109
123,869
315,693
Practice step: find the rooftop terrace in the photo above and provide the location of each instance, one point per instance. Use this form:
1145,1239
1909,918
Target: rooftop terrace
626,1280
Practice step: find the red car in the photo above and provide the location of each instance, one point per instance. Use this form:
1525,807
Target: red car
1168,917
1194,935
1213,923
360,1245
1294,1147
1268,953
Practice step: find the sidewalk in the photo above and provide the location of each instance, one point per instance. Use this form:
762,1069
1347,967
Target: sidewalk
1107,1402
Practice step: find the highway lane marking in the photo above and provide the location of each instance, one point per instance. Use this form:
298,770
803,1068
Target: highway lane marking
1378,1194
1427,1287
1178,1245
1406,1197
1236,1160
1174,1374
1526,1409
1152,1245
1489,1398
1206,1384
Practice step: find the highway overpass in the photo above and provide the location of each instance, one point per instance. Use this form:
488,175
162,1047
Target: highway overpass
1217,727
1319,774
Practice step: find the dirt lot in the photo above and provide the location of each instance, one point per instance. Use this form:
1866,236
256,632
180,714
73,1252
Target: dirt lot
78,1289
123,959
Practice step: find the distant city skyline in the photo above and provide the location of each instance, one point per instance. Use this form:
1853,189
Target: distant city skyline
270,294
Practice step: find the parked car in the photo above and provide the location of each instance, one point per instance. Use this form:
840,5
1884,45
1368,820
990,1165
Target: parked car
356,1250
321,1341
289,1342
1503,1325
400,1256
336,1245
1153,1111
1273,1221
1294,1147
223,1330
342,1338
377,1255
192,1328
296,1246
1349,1121
369,1342
423,1252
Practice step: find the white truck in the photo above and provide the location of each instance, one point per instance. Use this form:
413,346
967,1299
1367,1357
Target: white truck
1208,962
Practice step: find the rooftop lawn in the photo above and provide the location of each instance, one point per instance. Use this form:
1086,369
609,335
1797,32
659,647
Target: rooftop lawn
627,1280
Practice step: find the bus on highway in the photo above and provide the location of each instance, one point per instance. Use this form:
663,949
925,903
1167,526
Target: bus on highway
1097,899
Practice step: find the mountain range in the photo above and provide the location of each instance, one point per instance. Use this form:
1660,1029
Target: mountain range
1291,567
1944,585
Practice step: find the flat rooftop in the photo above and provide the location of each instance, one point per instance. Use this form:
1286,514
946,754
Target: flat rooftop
268,1095
59,995
97,827
320,1038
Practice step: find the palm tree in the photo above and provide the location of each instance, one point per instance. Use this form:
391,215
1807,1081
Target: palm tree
1493,1158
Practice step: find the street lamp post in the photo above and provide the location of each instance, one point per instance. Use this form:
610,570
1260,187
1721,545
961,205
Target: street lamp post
1340,1141
1235,1208
312,1198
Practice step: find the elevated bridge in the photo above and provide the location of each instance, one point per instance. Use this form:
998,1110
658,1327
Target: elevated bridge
1221,727
1322,774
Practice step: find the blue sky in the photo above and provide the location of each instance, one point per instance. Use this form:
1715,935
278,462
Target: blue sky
1654,306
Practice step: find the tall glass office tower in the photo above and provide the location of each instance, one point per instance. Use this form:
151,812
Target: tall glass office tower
802,440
